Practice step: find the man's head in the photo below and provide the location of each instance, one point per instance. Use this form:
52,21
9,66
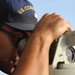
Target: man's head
16,17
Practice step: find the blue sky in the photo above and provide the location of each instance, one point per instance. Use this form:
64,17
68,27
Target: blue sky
66,8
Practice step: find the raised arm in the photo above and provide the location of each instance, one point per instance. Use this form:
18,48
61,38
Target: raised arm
34,60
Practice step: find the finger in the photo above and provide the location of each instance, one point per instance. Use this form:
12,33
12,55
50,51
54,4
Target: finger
43,19
66,27
52,19
70,27
61,22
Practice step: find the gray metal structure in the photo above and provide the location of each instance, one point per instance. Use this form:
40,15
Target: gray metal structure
64,58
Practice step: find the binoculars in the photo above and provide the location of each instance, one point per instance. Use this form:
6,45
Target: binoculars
63,59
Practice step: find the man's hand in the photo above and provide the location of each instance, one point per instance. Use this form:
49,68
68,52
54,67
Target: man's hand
51,26
35,58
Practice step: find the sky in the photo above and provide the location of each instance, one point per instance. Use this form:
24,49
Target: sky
65,8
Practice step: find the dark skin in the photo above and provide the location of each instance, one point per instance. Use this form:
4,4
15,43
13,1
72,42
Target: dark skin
34,59
9,52
35,55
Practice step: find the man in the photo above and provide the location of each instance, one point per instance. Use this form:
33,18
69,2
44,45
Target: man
16,17
17,21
